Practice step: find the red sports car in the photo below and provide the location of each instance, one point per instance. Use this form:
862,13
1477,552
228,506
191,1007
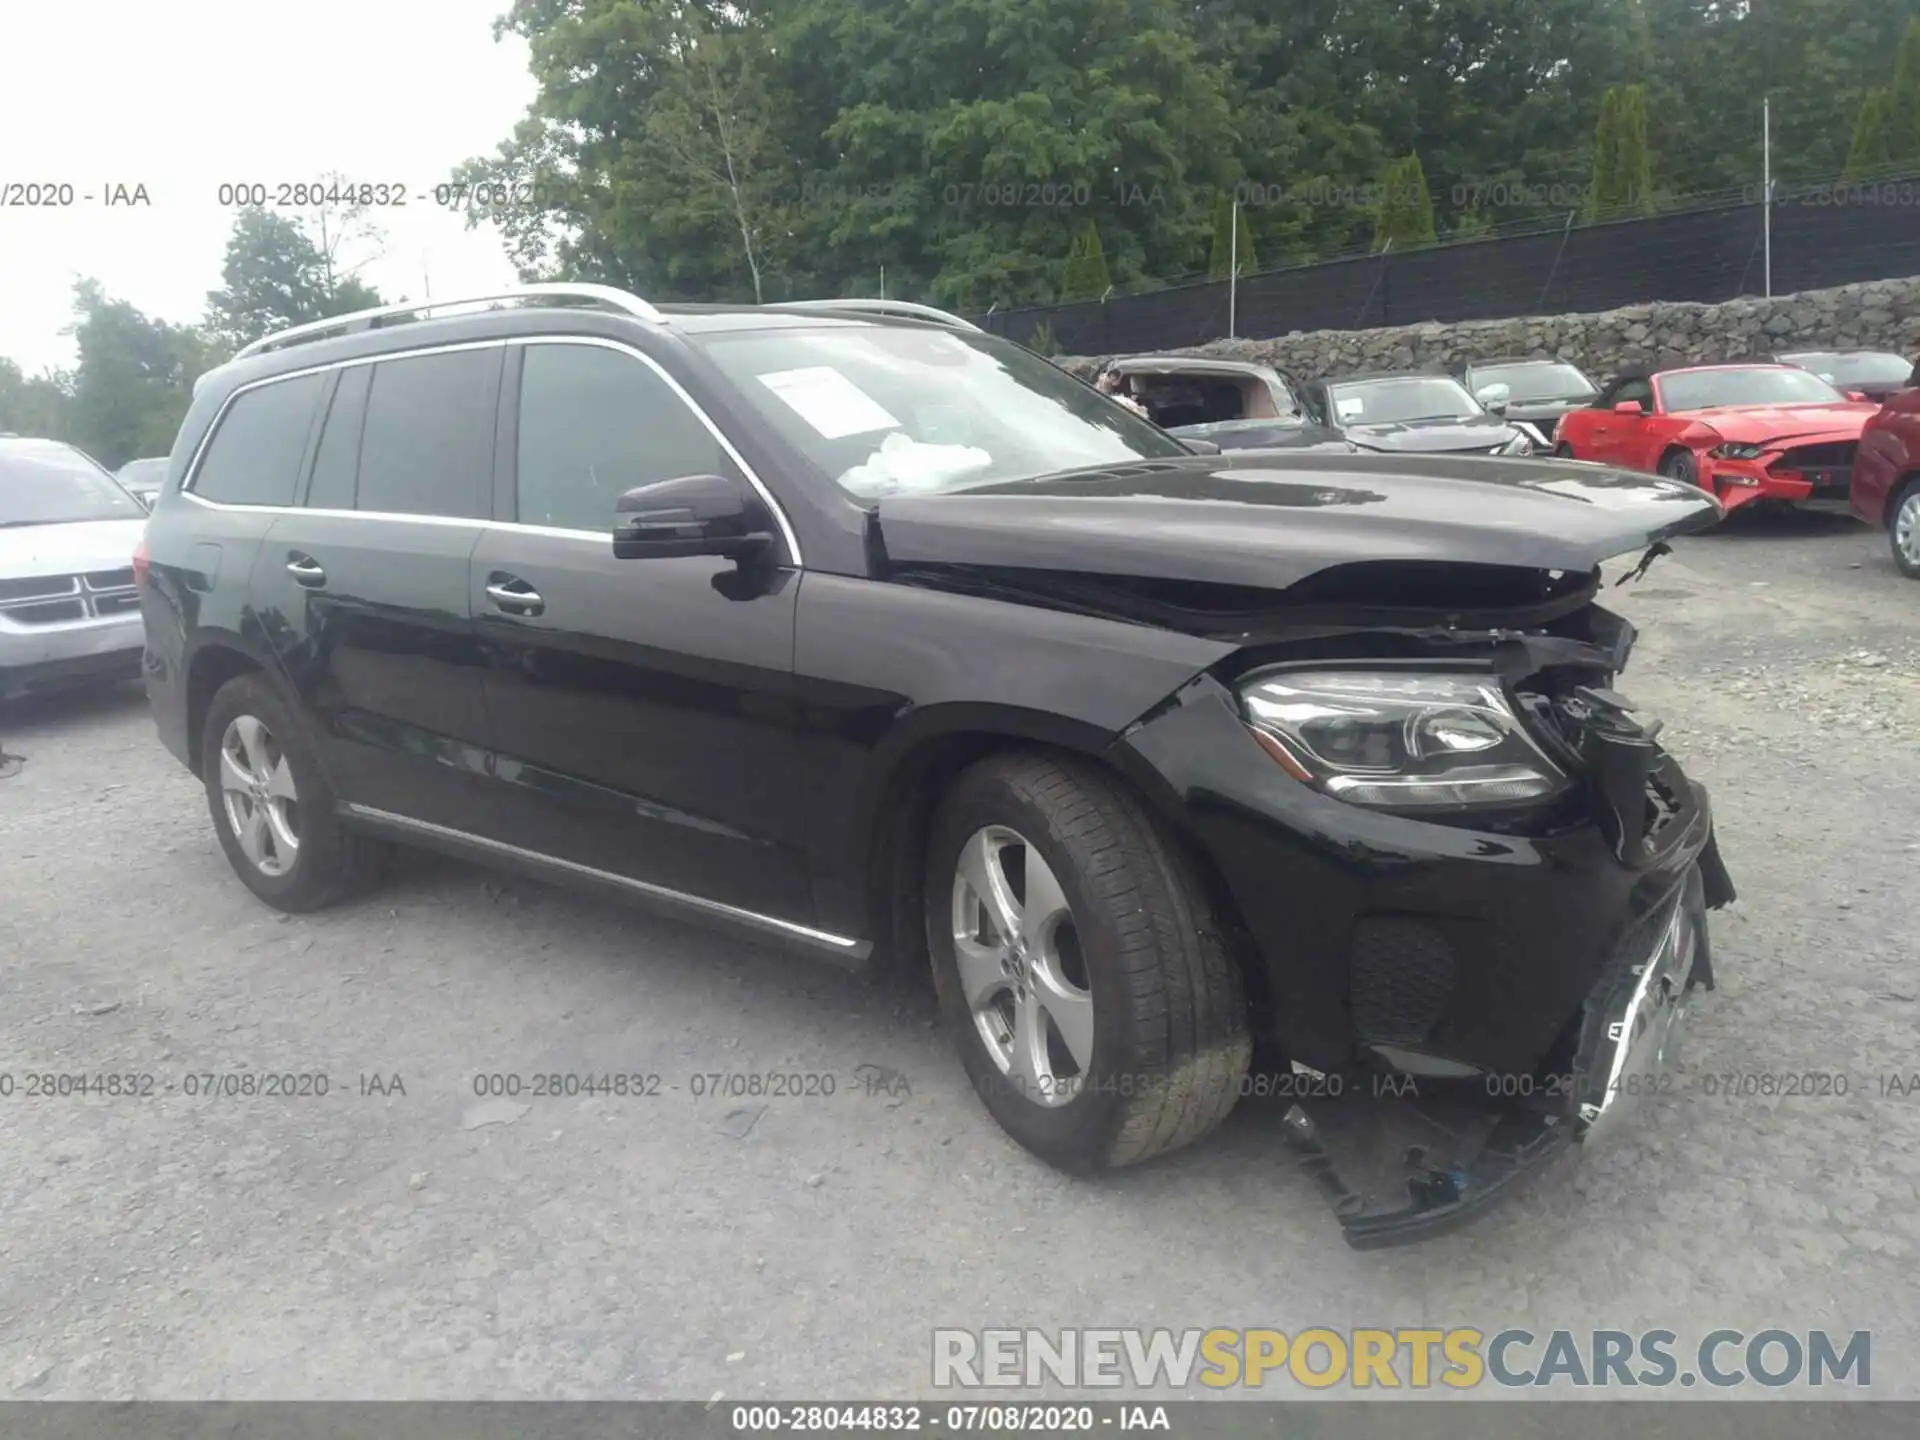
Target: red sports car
1886,486
1744,432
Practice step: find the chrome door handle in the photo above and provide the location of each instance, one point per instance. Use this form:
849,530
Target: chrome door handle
307,571
516,597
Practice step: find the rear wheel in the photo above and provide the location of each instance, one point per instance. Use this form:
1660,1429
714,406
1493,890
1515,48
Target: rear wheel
1904,531
271,804
1093,999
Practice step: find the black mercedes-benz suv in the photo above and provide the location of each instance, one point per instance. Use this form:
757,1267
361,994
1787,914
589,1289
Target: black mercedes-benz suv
844,623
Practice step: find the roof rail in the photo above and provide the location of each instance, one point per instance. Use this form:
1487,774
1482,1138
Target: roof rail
607,295
905,308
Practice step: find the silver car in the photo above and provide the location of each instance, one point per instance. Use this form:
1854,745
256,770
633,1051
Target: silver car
143,478
69,609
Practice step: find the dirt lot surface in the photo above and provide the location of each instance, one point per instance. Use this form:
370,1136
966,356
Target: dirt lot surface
403,1236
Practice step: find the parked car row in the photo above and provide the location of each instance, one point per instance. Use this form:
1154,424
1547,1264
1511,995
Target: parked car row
1804,426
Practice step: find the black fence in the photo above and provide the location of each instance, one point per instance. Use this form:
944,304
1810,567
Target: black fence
1822,237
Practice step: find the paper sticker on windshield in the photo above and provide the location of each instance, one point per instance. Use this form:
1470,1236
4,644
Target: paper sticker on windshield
829,401
1351,409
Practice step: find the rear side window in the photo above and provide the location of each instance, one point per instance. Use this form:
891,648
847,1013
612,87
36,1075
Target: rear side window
594,423
254,457
426,446
337,462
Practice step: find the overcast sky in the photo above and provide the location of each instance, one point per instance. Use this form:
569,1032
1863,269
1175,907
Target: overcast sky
182,97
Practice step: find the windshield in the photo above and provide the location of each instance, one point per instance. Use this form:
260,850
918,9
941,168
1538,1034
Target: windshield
883,409
1534,382
46,483
1755,385
1400,399
1848,371
143,474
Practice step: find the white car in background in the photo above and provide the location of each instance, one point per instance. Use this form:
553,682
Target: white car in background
143,478
69,607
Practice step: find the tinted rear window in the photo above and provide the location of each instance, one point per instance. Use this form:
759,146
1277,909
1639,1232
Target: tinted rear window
427,444
254,458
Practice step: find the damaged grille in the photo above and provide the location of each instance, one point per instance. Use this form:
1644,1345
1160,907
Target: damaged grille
1828,467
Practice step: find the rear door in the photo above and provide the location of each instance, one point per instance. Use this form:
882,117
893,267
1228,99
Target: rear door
643,710
362,589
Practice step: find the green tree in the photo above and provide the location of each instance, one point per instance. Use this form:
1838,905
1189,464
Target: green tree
1903,101
38,405
134,379
1226,250
1404,214
1085,276
1622,182
275,276
1872,151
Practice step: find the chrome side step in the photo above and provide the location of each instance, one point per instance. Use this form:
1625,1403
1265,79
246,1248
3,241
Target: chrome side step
840,948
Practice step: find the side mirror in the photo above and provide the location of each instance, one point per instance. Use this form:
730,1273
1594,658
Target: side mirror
689,515
1495,397
1858,395
1199,446
1629,407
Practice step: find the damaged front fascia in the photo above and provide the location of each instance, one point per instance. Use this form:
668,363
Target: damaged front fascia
1428,602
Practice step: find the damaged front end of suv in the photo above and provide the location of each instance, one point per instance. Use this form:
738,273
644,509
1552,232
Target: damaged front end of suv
1470,884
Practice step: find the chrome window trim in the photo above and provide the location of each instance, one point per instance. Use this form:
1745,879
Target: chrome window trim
643,887
199,453
773,505
192,476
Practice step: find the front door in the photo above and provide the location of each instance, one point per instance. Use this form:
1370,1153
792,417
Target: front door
643,710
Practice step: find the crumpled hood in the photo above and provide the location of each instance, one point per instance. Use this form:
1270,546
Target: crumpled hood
70,549
1779,424
1429,437
1270,520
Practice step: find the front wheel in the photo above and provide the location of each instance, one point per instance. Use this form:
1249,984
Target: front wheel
1680,465
1905,531
1095,1004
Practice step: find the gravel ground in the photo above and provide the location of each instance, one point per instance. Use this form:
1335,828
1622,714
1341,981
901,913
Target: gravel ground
422,1242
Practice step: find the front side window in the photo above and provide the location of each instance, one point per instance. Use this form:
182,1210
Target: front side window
1401,399
594,423
1755,385
886,409
426,446
43,482
254,457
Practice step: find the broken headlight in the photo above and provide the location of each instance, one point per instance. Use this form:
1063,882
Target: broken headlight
1732,451
1399,741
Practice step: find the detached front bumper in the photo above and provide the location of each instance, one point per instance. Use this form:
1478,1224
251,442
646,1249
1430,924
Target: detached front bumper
1460,1006
1740,482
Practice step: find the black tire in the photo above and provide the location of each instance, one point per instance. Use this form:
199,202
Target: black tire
1170,1045
329,862
1907,499
1680,465
1563,451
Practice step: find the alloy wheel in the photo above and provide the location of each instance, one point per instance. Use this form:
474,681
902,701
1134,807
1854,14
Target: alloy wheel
257,790
1021,969
1906,527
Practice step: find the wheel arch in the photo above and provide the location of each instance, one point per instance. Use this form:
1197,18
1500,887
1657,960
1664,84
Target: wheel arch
1896,492
945,742
217,658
